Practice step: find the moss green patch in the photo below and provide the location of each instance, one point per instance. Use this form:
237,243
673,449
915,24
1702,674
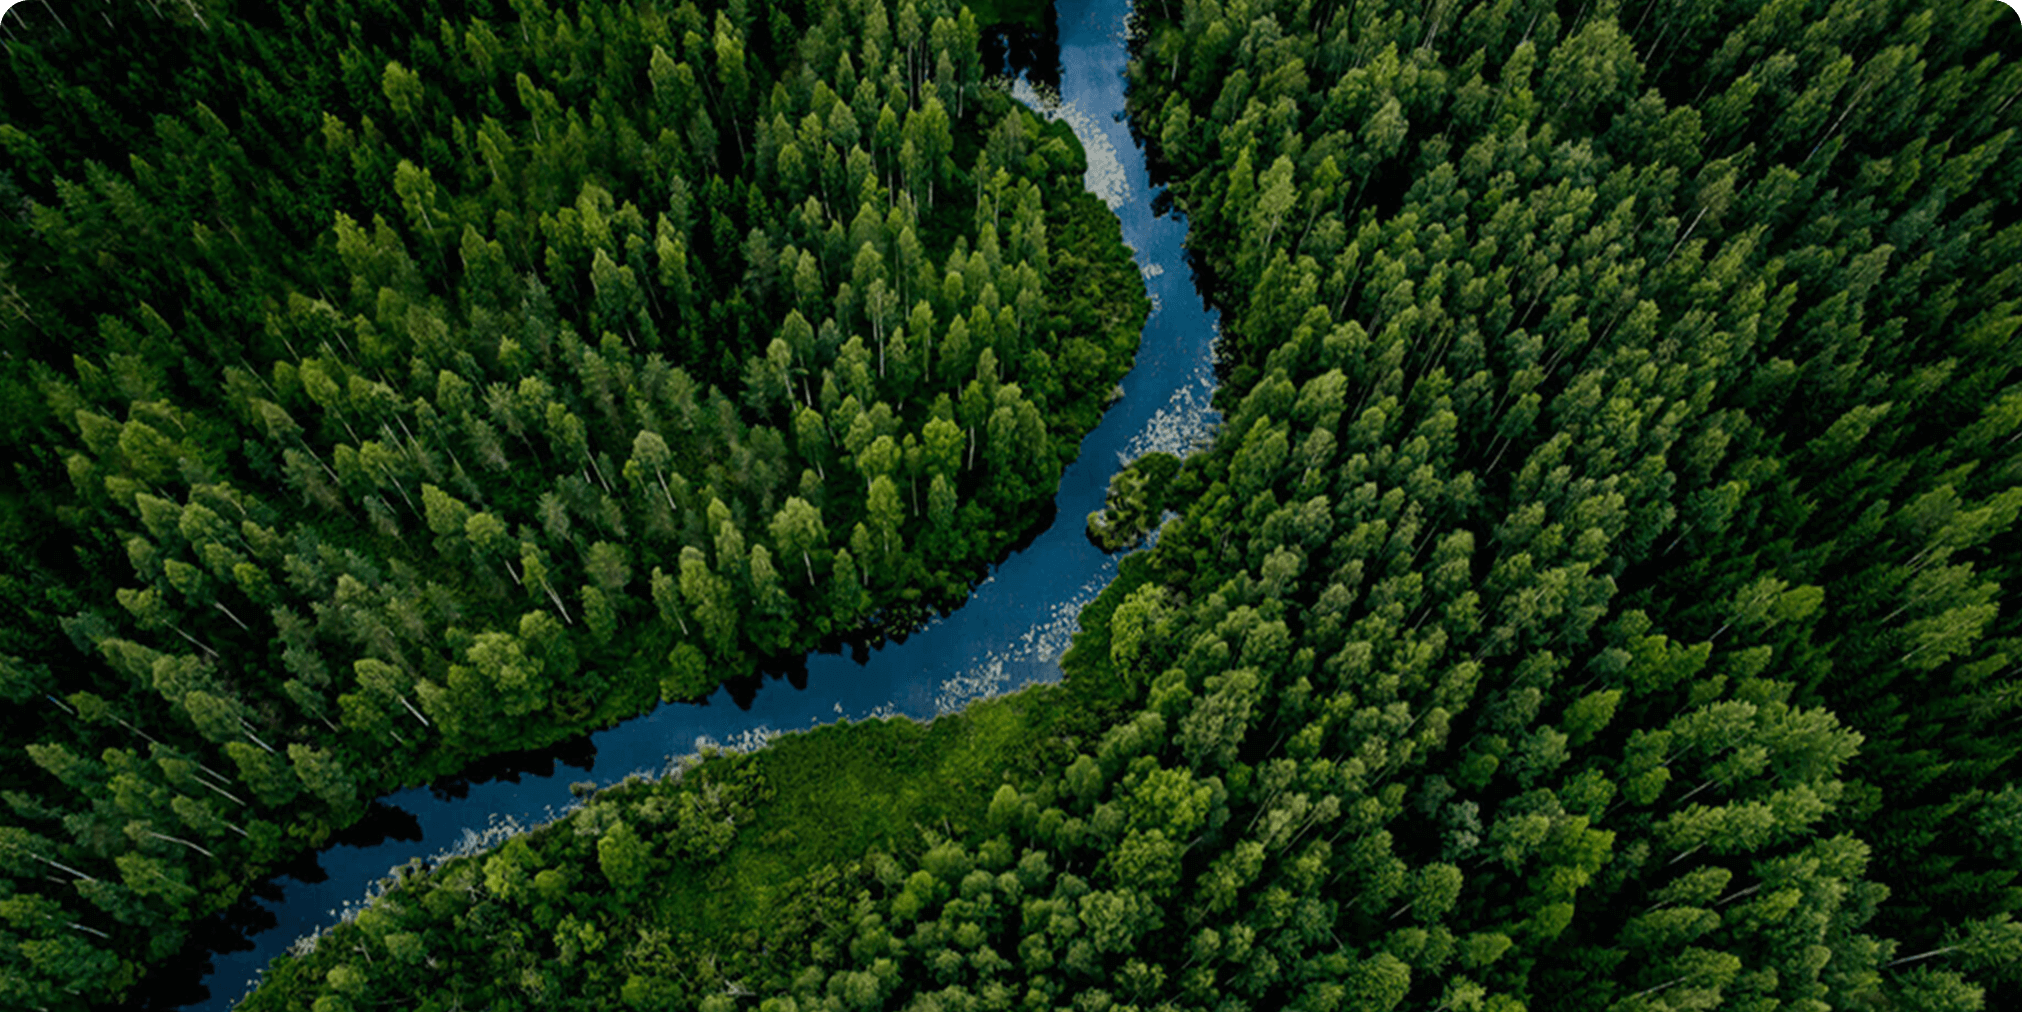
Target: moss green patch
842,790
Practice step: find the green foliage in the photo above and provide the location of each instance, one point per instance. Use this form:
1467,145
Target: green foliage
1592,598
1568,351
733,844
623,859
1138,497
393,387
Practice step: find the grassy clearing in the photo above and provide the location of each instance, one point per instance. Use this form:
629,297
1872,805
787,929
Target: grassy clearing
843,790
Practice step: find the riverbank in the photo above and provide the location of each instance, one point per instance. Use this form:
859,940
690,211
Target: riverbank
727,846
844,790
1012,632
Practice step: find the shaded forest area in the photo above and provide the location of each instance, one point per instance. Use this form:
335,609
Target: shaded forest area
1593,599
390,386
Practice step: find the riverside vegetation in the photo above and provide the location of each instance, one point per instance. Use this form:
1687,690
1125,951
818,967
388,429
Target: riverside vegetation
1592,600
390,386
1386,712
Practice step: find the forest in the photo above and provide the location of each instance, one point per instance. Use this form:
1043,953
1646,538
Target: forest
388,386
1592,597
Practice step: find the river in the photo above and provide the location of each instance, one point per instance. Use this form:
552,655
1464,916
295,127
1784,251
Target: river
1011,632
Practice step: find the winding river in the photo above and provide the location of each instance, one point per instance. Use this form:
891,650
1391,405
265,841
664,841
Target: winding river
1010,633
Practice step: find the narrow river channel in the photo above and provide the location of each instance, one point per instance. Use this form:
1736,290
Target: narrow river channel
1010,633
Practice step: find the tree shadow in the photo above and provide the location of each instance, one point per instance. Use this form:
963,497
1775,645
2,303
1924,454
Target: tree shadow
1013,50
578,752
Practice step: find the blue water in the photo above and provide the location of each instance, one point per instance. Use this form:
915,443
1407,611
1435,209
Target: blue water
1010,633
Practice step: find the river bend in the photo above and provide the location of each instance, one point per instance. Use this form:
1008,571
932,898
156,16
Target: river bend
1011,632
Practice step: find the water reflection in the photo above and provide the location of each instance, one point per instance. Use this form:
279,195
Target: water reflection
1010,633
1021,51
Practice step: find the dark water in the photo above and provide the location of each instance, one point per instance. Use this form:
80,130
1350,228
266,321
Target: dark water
1015,50
1010,633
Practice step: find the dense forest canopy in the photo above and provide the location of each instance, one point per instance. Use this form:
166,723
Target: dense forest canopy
391,385
1675,354
1593,598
